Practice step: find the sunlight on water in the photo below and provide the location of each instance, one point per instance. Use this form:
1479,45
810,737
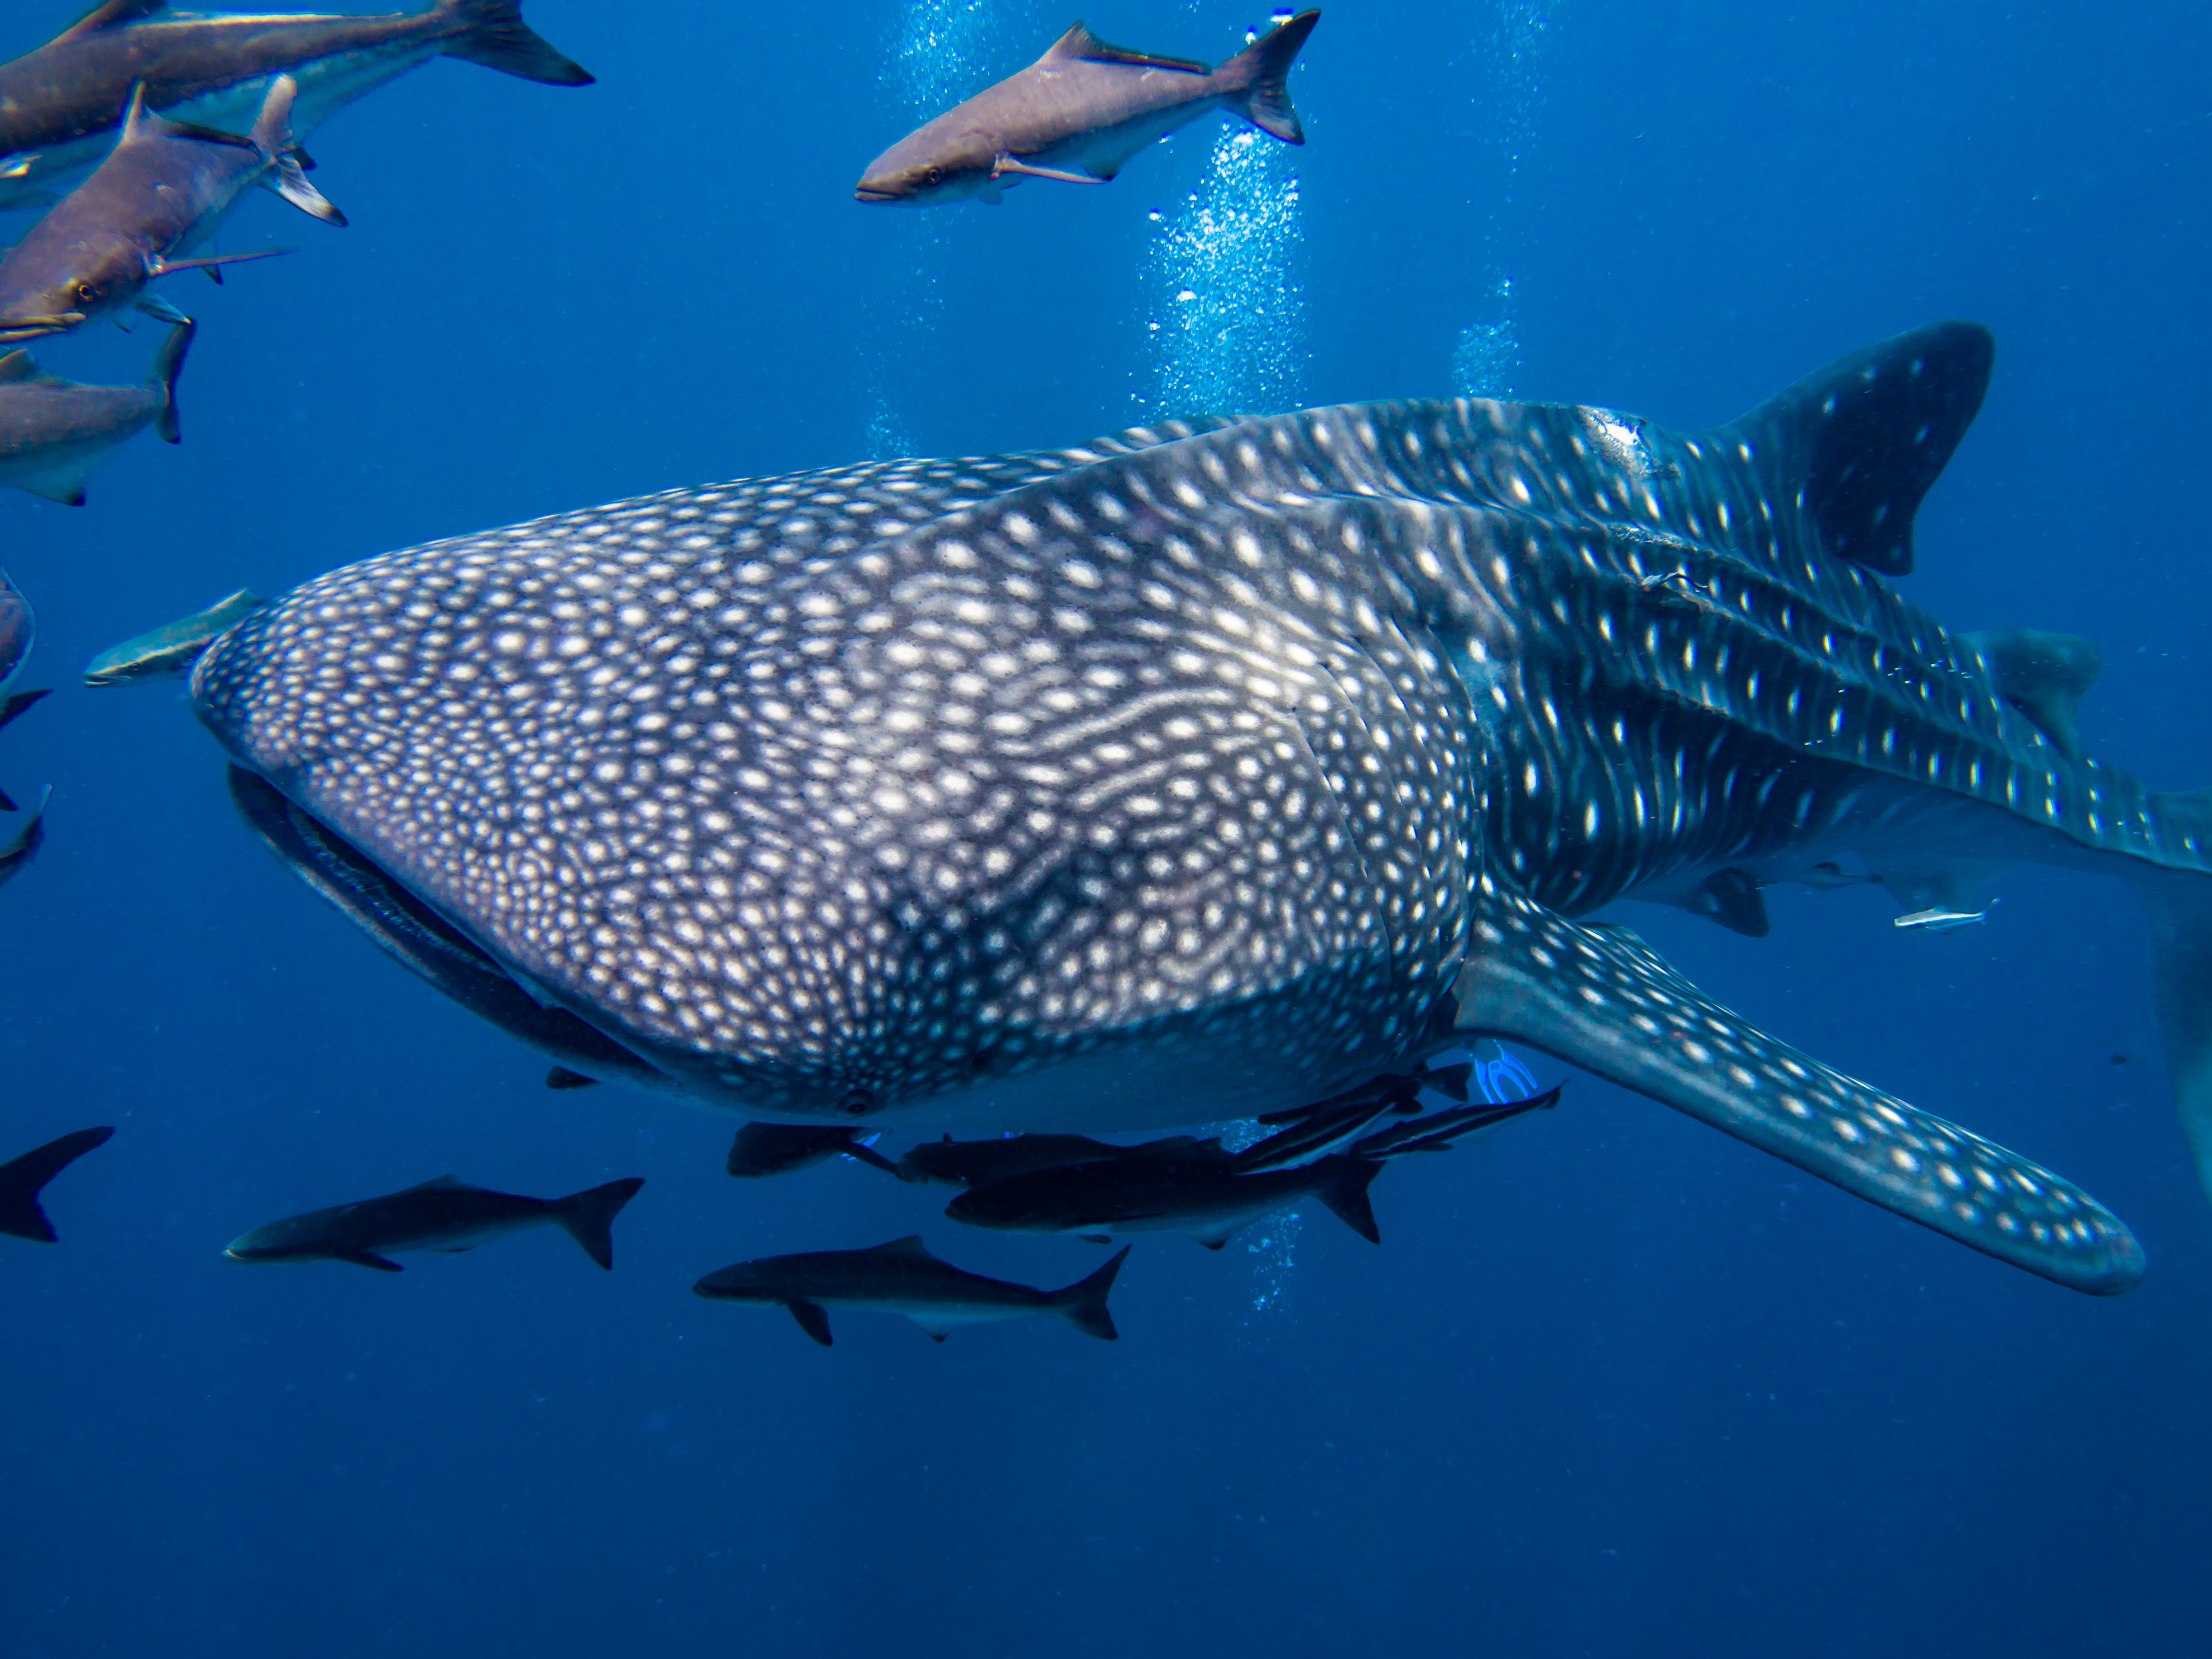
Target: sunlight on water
1508,96
1228,316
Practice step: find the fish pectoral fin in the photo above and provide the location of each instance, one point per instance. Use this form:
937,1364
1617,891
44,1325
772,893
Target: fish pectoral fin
1215,1238
937,1329
1598,998
812,1320
158,308
562,1077
368,1259
1006,164
1095,1238
64,483
1731,897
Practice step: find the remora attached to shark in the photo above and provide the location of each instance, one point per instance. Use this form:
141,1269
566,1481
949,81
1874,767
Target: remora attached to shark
58,103
1213,770
1080,113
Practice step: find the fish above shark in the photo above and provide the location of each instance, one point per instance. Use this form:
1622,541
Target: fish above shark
1210,771
445,1214
58,103
55,433
1080,113
903,1278
161,192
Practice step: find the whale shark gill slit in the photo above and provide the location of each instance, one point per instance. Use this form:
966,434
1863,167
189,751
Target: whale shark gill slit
1193,772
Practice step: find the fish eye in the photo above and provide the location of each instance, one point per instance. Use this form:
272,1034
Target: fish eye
86,292
933,175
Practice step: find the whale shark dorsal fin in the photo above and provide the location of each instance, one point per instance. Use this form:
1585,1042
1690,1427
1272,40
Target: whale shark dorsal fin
441,1183
910,1248
1865,437
1599,997
112,16
2043,675
1080,45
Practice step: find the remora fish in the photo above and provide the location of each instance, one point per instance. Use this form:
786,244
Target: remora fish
167,652
1204,1197
16,855
903,1278
57,104
21,1179
1438,1131
439,1215
1080,113
19,631
160,193
775,1149
920,801
54,432
1941,920
978,1162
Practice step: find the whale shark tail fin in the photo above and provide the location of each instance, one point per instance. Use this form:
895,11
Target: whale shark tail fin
1866,436
1598,998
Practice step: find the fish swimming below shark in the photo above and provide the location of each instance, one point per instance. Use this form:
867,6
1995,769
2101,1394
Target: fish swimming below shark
1216,768
445,1214
1080,113
773,1149
58,103
903,1278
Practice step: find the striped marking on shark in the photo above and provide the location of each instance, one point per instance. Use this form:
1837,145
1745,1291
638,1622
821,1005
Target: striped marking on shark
1211,770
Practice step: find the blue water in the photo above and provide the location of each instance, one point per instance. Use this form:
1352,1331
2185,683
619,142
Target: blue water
1614,1384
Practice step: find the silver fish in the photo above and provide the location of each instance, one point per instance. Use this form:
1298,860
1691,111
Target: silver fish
1437,1132
58,104
1941,920
1214,770
167,652
903,1278
160,193
54,432
445,1214
1080,113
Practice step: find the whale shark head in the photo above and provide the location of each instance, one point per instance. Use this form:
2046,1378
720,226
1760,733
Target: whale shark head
1202,771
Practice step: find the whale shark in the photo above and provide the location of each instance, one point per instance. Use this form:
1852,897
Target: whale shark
1213,769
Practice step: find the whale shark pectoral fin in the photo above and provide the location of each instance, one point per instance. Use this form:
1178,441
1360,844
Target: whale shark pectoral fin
1599,997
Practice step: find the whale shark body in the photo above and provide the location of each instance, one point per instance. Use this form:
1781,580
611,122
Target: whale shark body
1210,769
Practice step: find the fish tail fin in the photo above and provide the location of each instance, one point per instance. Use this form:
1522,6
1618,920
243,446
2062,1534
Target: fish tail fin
21,1179
588,1218
1346,1196
1262,93
168,363
287,177
1082,1304
492,32
1597,997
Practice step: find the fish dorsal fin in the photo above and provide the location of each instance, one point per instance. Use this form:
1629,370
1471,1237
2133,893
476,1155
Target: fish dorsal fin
1859,444
20,368
1080,45
2043,675
112,16
442,1183
910,1249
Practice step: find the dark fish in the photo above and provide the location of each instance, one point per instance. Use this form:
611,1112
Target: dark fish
774,1149
439,1215
160,193
1437,1131
903,1278
958,847
1204,1197
167,652
54,432
1393,1091
16,855
22,1178
212,67
978,1162
1080,113
19,631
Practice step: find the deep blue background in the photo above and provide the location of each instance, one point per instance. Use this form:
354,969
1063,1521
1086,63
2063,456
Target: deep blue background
1614,1385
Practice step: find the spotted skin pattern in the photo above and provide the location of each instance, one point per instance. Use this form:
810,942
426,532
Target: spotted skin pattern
1203,770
